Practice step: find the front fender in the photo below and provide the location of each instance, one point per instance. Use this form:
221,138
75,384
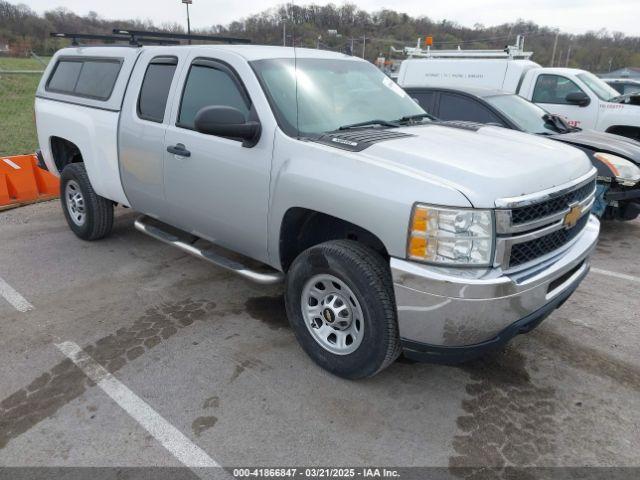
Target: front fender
373,196
618,114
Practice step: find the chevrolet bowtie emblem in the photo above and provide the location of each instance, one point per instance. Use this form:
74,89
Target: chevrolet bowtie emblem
571,218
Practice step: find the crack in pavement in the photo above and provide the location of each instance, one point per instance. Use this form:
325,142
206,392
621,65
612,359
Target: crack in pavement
509,420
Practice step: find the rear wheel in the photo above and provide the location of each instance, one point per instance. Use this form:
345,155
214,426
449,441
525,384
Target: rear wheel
341,306
89,215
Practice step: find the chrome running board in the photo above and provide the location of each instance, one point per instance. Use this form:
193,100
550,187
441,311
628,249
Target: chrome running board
267,277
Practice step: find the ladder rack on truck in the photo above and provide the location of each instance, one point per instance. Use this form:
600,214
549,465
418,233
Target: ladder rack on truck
512,52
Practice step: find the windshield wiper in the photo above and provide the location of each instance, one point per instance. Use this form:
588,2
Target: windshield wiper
384,123
417,116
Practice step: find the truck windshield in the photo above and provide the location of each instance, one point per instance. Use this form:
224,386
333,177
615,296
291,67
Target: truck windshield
528,116
331,93
599,87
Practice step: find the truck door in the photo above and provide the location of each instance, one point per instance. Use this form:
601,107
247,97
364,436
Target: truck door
143,122
559,94
216,188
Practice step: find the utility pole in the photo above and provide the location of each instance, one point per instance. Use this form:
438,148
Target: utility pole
555,45
284,32
364,45
187,3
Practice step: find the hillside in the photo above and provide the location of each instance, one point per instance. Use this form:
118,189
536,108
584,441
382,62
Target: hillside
341,28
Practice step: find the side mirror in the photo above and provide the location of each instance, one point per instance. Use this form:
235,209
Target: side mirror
227,122
578,98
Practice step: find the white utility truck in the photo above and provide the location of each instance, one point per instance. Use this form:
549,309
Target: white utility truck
583,99
392,232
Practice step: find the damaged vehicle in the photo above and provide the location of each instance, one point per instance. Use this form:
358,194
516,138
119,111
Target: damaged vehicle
391,233
616,158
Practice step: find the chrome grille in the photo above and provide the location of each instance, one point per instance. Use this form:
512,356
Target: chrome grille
534,227
555,205
528,251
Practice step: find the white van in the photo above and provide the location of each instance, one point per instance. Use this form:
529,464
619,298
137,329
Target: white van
582,98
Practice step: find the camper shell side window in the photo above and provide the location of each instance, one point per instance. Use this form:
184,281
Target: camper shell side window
87,77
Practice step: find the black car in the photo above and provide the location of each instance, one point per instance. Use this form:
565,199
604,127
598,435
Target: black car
617,158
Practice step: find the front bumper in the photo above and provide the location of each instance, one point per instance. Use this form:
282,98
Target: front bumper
446,312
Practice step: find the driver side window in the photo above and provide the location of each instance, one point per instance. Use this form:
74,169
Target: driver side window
554,89
208,85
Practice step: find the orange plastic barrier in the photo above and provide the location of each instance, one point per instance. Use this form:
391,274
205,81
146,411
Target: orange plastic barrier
21,181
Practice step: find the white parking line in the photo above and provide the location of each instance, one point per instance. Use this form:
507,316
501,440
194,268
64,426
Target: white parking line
622,276
13,297
169,436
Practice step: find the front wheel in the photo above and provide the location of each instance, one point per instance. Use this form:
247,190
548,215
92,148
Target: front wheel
340,303
89,215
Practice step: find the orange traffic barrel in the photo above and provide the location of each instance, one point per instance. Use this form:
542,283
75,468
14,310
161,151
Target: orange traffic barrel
22,181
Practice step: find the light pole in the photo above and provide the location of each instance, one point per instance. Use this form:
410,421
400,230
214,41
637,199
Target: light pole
284,31
187,3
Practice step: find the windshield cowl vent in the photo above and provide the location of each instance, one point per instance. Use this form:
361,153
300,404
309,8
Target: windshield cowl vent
473,126
358,140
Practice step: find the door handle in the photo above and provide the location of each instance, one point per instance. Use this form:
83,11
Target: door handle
179,150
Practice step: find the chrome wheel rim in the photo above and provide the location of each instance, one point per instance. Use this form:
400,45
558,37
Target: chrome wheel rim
332,314
75,203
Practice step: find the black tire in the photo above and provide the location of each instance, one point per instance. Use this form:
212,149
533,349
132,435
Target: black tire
98,211
368,276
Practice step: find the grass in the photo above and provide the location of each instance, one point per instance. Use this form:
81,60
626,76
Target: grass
13,63
17,94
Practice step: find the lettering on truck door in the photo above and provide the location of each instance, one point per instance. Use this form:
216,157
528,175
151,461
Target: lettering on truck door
550,92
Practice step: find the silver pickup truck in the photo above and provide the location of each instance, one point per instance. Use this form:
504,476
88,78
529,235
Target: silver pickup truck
391,231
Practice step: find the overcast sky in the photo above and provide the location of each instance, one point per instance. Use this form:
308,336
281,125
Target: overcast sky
575,16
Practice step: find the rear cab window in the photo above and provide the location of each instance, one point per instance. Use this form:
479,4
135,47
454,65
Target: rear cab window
154,92
85,77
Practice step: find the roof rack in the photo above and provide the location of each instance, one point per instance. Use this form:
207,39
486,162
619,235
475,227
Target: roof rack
111,38
512,52
135,36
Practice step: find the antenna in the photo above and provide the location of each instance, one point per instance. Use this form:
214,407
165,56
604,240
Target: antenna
135,34
295,69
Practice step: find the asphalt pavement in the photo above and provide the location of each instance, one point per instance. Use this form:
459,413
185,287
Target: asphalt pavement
127,353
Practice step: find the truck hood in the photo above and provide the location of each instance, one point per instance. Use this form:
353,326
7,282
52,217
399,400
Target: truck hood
484,163
603,142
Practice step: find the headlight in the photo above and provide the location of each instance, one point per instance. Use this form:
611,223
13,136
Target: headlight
626,173
451,236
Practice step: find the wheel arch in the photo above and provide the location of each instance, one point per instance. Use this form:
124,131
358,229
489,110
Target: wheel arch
302,228
64,152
